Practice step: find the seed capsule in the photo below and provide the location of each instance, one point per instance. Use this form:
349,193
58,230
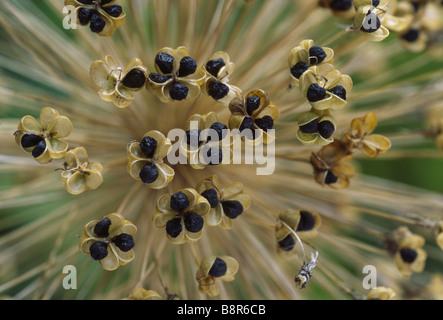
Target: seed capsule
187,66
149,173
315,93
179,201
232,208
219,268
134,79
124,242
101,229
194,222
98,250
164,62
174,227
178,91
148,145
211,196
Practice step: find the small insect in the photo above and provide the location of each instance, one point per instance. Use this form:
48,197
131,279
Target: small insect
304,276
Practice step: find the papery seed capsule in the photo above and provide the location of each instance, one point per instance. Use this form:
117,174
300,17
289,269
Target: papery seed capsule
179,201
232,208
158,78
134,79
214,66
339,91
287,243
341,5
149,173
148,145
114,10
174,227
316,55
371,23
98,250
97,23
218,90
330,178
310,127
265,123
315,93
252,104
326,129
408,255
39,149
194,222
299,68
165,62
219,268
30,140
178,91
124,242
84,15
306,222
101,229
220,129
193,137
211,196
187,66
411,36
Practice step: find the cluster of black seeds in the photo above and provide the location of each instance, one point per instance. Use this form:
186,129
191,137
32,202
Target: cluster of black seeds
232,208
193,222
93,17
31,140
325,128
149,172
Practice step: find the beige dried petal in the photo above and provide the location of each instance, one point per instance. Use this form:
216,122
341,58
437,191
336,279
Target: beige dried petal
30,125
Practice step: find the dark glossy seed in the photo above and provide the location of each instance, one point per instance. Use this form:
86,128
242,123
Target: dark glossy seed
148,145
214,66
165,62
85,1
339,91
84,16
149,173
158,78
326,129
412,35
265,123
97,23
287,243
218,90
187,66
298,69
194,222
252,104
193,137
330,178
375,3
179,201
101,229
104,2
174,227
218,268
39,149
98,250
316,55
114,10
178,91
341,5
219,130
315,93
134,79
307,221
371,23
408,255
310,127
211,196
124,242
30,140
232,208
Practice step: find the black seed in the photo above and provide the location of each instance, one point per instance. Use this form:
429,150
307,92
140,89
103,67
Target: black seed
218,90
84,15
247,128
375,2
85,1
213,156
252,104
105,2
330,178
341,5
266,123
316,55
408,255
98,250
124,242
411,36
315,93
416,6
148,146
193,137
310,127
299,68
174,227
158,78
219,268
39,149
232,208
211,196
165,62
326,129
114,10
134,79
287,243
220,129
307,221
339,91
149,173
368,24
214,66
178,91
101,229
187,66
194,222
30,140
97,23
179,201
